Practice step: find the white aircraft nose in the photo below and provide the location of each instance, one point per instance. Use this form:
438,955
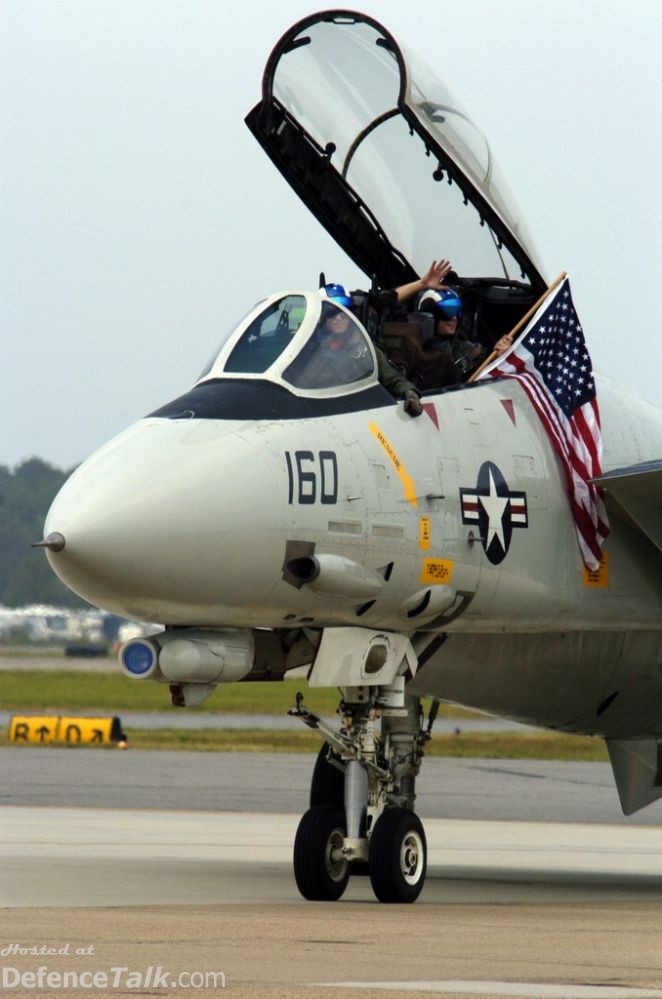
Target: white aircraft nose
158,524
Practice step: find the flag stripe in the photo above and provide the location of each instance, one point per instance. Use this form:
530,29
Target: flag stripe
577,487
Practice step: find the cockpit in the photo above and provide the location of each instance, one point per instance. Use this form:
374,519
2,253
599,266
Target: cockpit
387,160
309,346
295,354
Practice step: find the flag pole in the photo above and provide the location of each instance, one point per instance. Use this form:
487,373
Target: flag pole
521,324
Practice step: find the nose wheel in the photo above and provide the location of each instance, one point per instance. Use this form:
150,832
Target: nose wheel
398,856
321,869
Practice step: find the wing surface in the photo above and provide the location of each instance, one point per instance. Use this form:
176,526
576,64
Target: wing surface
637,492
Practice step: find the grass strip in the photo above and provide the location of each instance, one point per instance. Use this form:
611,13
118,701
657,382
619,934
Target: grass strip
484,745
67,691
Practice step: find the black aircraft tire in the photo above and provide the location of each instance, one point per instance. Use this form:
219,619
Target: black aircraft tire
398,856
327,786
319,877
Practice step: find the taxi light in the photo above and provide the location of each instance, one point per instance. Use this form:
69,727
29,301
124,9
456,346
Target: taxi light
184,656
138,658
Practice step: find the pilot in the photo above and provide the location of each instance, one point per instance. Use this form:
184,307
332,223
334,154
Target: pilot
464,355
336,327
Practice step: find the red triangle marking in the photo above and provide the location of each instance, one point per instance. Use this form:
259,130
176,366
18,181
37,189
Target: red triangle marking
509,407
430,409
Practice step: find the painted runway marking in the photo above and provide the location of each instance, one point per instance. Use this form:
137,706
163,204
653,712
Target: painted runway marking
511,990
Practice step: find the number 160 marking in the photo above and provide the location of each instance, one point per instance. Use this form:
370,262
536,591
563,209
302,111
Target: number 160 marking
303,481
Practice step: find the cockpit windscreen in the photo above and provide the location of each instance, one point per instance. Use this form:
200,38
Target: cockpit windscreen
302,339
267,336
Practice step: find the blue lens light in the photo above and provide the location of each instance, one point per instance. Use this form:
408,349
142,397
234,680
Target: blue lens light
138,658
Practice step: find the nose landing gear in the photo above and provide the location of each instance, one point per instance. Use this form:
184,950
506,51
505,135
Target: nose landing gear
361,818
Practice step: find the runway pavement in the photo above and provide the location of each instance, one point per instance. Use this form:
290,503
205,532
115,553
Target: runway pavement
516,902
279,782
505,903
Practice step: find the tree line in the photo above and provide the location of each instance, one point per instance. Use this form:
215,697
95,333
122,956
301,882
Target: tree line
26,492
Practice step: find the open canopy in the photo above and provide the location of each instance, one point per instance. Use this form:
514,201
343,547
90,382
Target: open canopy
385,156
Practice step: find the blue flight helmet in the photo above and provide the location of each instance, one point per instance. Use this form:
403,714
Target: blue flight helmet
338,293
445,304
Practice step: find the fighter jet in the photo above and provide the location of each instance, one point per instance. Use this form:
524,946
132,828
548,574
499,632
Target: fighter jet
286,511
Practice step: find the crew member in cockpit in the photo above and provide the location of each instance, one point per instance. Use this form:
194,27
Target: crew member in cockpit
339,334
464,355
390,376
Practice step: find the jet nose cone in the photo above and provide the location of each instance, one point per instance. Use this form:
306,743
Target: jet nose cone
158,525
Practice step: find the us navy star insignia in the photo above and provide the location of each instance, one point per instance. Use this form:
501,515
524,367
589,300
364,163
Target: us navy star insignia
495,509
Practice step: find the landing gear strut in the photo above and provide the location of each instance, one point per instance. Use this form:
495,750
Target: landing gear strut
362,818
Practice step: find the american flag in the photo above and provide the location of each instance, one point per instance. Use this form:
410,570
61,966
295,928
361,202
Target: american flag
552,364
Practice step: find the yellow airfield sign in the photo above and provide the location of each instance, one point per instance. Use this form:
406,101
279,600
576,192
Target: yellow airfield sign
49,729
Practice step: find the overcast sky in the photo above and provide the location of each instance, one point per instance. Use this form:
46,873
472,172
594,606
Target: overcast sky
139,218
